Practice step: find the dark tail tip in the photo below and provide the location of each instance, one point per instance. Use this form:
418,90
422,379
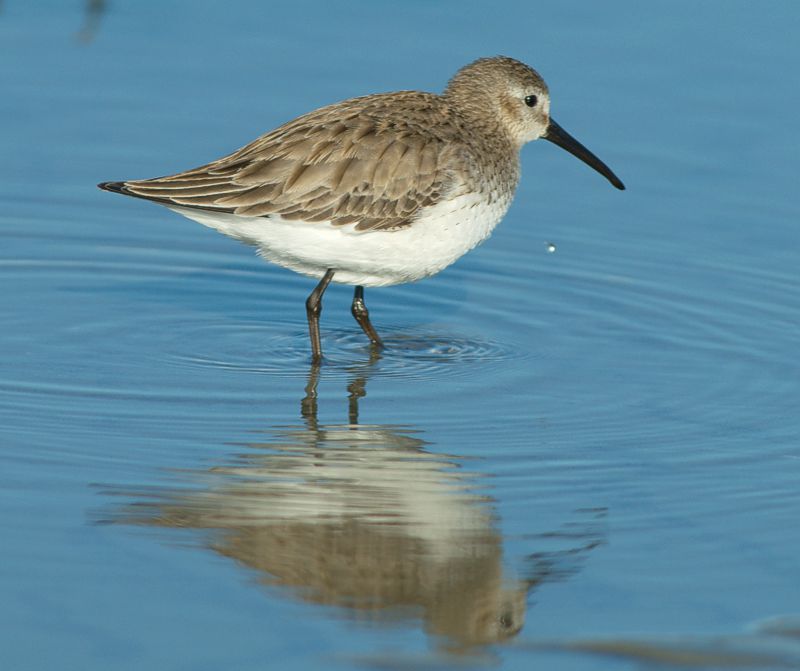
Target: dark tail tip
114,187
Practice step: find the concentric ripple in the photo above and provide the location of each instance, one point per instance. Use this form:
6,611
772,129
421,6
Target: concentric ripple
193,311
281,348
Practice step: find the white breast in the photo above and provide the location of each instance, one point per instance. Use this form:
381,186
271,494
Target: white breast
442,234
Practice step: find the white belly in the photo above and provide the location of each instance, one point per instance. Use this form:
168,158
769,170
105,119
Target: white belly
443,233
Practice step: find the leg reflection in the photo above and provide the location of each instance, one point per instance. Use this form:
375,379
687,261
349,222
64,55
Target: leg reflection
356,388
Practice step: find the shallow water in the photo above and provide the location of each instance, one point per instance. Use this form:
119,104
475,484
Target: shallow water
579,449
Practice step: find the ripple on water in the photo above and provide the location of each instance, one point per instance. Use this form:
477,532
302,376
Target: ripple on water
280,348
122,319
191,310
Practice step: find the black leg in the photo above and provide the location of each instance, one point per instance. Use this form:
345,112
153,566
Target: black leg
313,310
360,312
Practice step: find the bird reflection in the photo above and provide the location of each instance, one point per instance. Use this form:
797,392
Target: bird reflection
362,517
93,13
92,16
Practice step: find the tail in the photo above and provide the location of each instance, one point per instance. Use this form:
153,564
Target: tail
114,187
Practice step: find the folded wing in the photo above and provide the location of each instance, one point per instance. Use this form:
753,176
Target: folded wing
344,164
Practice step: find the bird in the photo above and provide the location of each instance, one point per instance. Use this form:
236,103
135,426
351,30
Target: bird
377,190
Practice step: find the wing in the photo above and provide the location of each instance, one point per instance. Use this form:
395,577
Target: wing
373,162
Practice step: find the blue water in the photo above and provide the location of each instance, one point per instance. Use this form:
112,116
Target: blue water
581,448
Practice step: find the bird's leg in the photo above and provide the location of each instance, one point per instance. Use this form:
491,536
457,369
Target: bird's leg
313,310
360,312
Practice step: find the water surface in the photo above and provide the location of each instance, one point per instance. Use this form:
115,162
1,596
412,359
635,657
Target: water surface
579,449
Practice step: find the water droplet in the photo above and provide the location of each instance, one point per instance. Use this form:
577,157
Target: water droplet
550,247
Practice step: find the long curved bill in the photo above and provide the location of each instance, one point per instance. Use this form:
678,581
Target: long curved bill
557,135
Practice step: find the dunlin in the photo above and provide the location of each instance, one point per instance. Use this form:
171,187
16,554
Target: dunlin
378,190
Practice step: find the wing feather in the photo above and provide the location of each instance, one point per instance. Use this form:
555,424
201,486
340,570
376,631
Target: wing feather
374,162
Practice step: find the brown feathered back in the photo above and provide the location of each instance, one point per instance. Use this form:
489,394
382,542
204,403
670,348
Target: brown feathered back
374,161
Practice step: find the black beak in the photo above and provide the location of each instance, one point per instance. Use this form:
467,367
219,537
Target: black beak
557,135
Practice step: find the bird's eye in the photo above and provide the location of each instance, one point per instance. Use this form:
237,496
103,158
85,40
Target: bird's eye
531,101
